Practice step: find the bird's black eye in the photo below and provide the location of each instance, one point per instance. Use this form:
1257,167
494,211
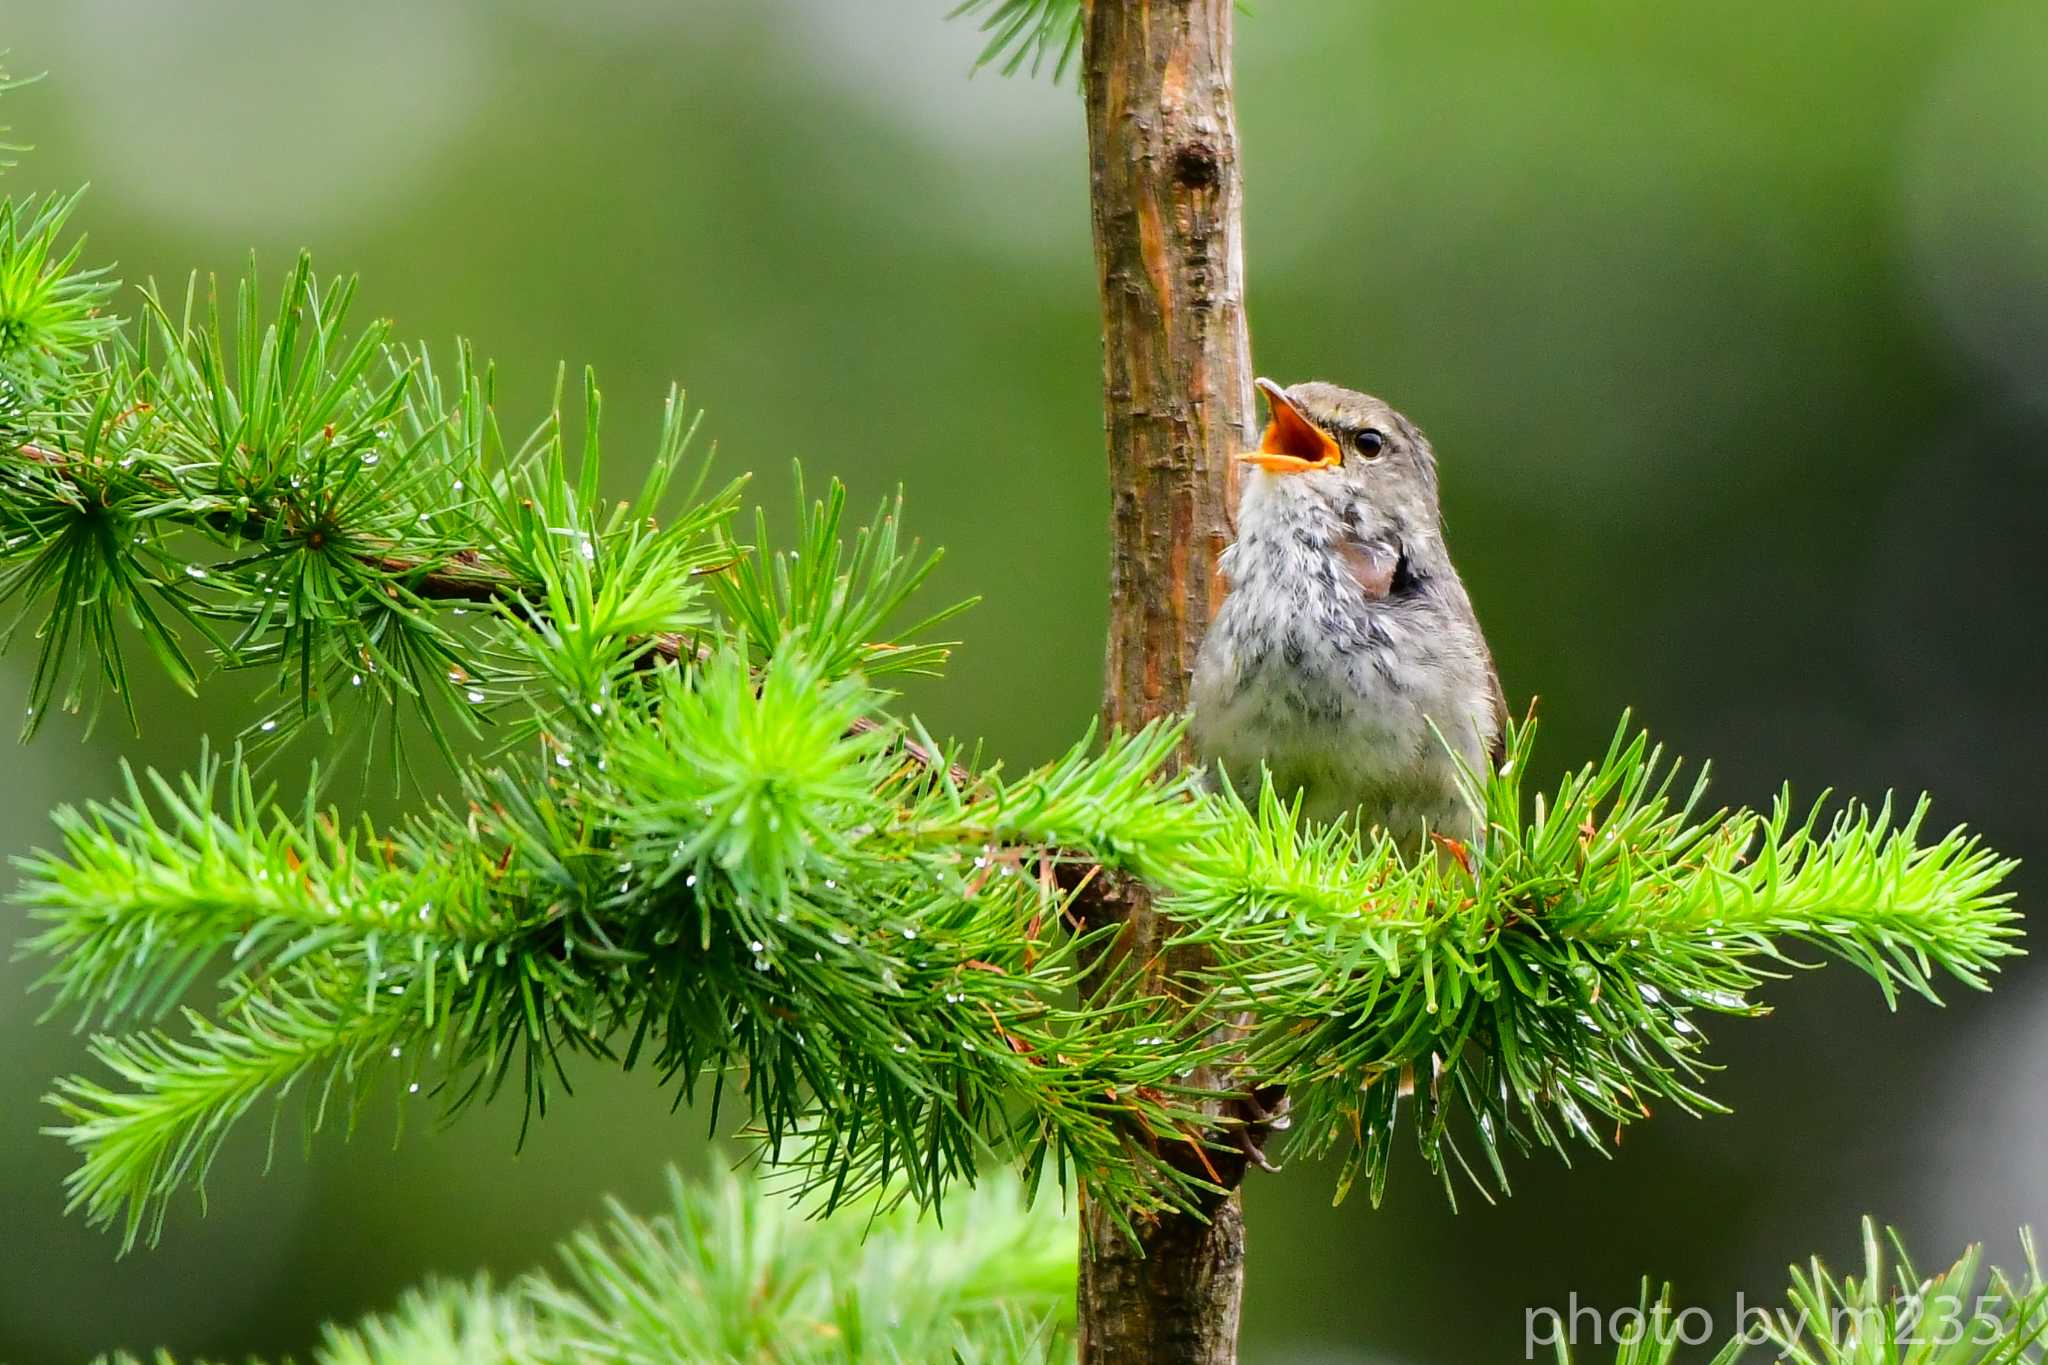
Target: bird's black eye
1369,443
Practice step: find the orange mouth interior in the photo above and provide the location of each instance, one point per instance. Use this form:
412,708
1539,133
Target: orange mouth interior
1292,443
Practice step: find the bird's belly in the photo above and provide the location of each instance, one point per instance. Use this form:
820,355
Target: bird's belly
1347,719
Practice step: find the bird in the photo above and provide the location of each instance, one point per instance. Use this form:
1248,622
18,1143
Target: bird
1345,658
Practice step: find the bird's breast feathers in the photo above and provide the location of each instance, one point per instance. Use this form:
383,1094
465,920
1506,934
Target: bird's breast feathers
1327,668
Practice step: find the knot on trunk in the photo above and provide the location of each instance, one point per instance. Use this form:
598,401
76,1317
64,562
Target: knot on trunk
1197,165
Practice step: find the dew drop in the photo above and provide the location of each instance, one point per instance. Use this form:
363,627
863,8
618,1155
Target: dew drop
355,680
194,571
413,1089
396,1052
267,726
476,698
561,760
369,457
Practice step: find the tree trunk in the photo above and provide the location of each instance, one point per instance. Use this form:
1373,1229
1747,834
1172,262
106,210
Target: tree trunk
1162,142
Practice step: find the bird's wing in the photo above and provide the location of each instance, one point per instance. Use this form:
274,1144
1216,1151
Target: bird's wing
1375,566
1499,751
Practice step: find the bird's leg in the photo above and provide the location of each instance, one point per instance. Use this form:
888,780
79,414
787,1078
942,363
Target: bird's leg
1261,1112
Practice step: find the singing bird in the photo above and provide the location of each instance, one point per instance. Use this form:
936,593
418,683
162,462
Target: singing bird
1347,644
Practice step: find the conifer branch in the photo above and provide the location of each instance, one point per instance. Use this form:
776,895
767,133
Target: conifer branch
1554,981
1029,33
729,1272
181,1097
896,990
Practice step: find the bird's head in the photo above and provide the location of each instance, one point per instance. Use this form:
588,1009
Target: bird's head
1330,445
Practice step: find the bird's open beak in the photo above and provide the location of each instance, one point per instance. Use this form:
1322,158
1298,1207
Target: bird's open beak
1292,443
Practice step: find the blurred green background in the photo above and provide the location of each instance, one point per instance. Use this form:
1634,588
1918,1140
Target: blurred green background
1729,324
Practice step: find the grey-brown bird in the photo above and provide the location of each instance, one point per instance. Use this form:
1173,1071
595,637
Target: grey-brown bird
1347,644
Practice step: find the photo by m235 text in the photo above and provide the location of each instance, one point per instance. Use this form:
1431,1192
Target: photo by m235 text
1928,1319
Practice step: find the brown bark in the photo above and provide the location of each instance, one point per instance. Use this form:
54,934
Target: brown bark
1167,194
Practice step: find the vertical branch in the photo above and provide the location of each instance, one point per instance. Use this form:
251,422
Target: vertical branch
1176,367
1167,193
